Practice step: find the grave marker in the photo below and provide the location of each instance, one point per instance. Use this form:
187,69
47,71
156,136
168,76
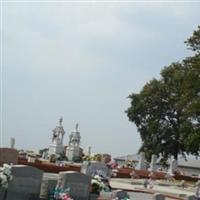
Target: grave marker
25,184
78,183
97,168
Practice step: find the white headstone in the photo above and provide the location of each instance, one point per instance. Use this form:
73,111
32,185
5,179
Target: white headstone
97,168
153,166
78,184
141,164
25,184
173,167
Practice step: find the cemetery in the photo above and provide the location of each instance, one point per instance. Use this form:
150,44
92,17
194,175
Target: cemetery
85,59
65,172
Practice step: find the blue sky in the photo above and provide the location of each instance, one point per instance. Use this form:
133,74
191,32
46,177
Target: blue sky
81,61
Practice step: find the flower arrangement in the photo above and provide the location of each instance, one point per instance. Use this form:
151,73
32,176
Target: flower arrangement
87,158
97,184
5,176
60,194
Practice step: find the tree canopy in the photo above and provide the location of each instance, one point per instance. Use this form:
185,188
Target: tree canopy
167,111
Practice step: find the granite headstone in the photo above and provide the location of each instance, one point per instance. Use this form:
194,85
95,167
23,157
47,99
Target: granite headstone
78,184
25,184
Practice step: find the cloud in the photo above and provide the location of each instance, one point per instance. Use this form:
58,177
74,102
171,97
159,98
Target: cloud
65,36
82,61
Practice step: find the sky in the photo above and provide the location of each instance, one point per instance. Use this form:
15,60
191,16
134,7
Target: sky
81,60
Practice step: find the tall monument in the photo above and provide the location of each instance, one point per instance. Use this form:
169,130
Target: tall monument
56,145
73,150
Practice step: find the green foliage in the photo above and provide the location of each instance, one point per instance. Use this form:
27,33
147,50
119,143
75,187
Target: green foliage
97,157
167,111
194,41
87,158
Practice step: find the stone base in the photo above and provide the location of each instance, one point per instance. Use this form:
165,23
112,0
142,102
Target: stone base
72,153
56,149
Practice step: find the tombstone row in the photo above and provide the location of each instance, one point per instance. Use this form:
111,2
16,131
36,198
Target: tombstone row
142,165
28,183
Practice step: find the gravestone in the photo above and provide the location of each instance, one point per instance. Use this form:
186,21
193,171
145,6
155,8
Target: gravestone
153,166
25,184
96,168
158,196
47,187
8,155
191,197
78,184
173,167
141,164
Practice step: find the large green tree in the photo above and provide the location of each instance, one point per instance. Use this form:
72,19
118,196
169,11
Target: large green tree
167,111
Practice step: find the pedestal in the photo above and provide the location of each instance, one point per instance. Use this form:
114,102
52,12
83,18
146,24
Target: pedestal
73,153
55,149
